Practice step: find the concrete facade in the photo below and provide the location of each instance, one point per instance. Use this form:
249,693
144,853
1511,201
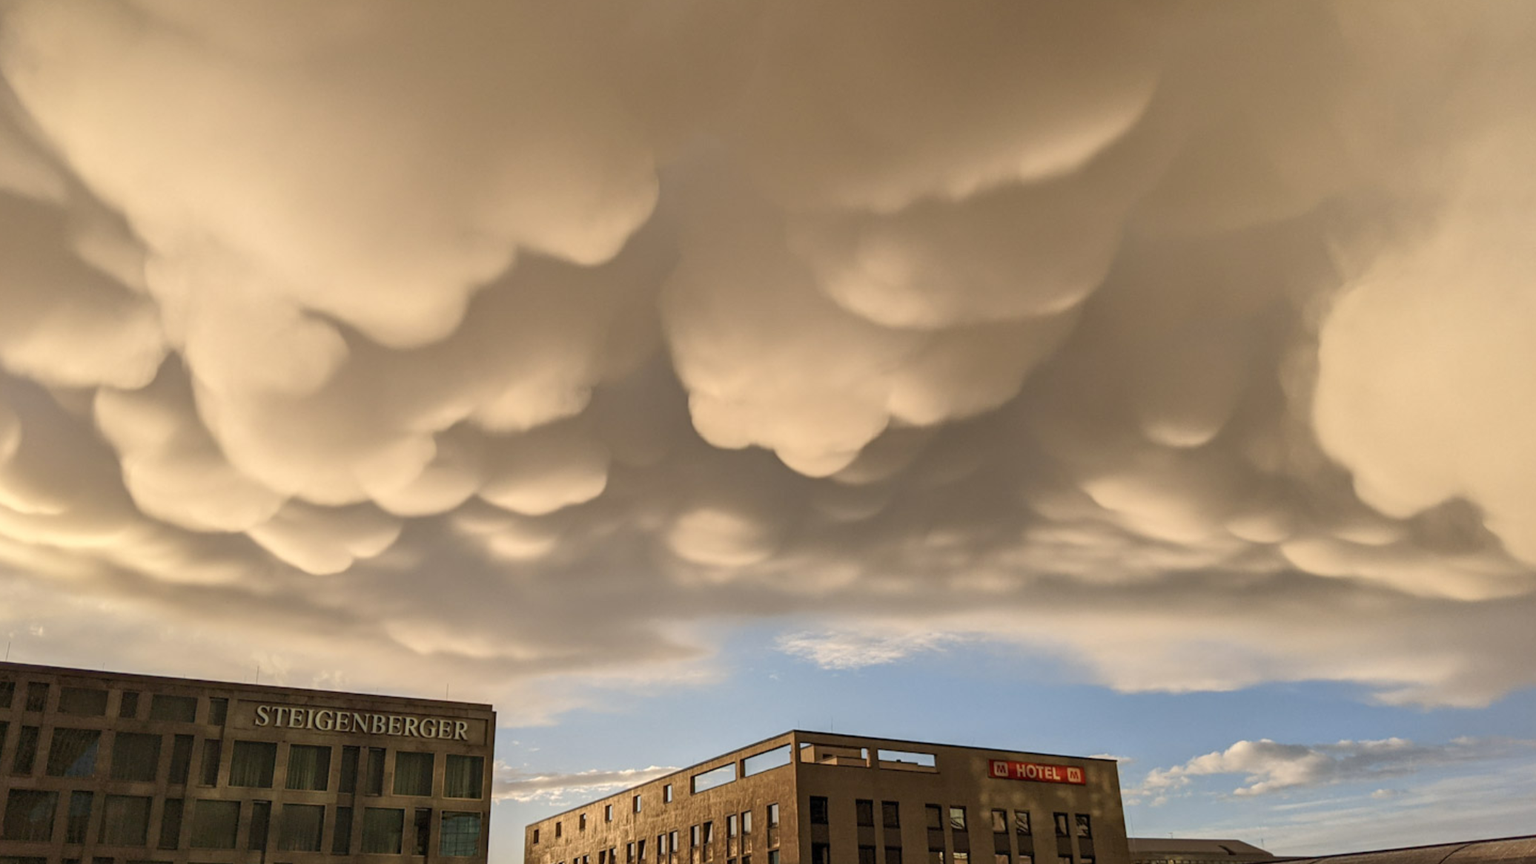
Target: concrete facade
108,768
844,799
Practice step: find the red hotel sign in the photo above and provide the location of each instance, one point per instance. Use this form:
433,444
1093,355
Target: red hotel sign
1006,770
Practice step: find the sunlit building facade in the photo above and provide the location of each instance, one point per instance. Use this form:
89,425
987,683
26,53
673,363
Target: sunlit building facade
820,798
104,768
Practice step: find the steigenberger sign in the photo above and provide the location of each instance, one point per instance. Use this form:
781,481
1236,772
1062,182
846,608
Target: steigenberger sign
360,722
1040,773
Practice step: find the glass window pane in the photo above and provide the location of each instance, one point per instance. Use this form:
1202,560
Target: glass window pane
309,767
251,764
935,815
373,779
181,759
7,693
170,824
423,833
128,705
864,814
1084,827
413,773
382,828
341,838
135,756
261,826
957,818
464,777
177,709
1021,822
218,709
72,753
299,827
26,751
79,822
124,821
460,834
1061,824
214,824
83,702
999,821
213,748
29,815
37,696
348,781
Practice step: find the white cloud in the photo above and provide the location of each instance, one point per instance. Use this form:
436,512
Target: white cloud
557,788
494,347
1269,766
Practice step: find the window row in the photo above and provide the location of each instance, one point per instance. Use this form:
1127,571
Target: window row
32,816
890,817
821,854
136,756
92,702
702,843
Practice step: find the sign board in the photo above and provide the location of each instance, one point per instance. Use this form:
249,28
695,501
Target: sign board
346,722
1003,769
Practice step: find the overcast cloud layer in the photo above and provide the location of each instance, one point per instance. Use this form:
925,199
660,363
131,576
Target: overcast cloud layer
512,343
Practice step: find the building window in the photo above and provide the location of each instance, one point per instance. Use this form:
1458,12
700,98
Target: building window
73,752
29,815
890,814
124,821
773,815
640,851
607,812
341,840
218,709
662,847
214,824
128,704
635,804
732,827
557,830
309,767
461,834
79,822
212,750
37,696
773,856
629,853
693,836
251,764
999,821
935,817
382,830
1084,826
1021,823
26,751
299,827
135,756
261,826
1002,858
413,773
864,814
423,824
176,709
581,822
866,855
170,824
962,858
818,810
821,853
535,836
1061,825
666,794
7,693
957,819
373,775
893,855
347,782
181,759
82,702
673,838
746,823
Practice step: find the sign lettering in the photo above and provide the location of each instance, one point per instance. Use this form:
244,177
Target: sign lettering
1003,769
334,720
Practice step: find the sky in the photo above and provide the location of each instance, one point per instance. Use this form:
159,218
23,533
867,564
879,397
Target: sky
1149,380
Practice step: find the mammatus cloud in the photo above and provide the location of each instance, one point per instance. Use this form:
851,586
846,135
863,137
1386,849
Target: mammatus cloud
523,786
519,345
1268,766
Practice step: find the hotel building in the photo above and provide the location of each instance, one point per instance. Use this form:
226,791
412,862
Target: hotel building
105,768
820,798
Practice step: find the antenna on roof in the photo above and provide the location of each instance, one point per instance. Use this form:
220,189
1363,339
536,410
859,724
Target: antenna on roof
258,673
7,649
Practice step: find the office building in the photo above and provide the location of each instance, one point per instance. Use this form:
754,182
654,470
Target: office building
105,768
821,798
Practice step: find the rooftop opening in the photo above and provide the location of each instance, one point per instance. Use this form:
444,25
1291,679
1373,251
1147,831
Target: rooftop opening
714,777
757,763
907,760
834,754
